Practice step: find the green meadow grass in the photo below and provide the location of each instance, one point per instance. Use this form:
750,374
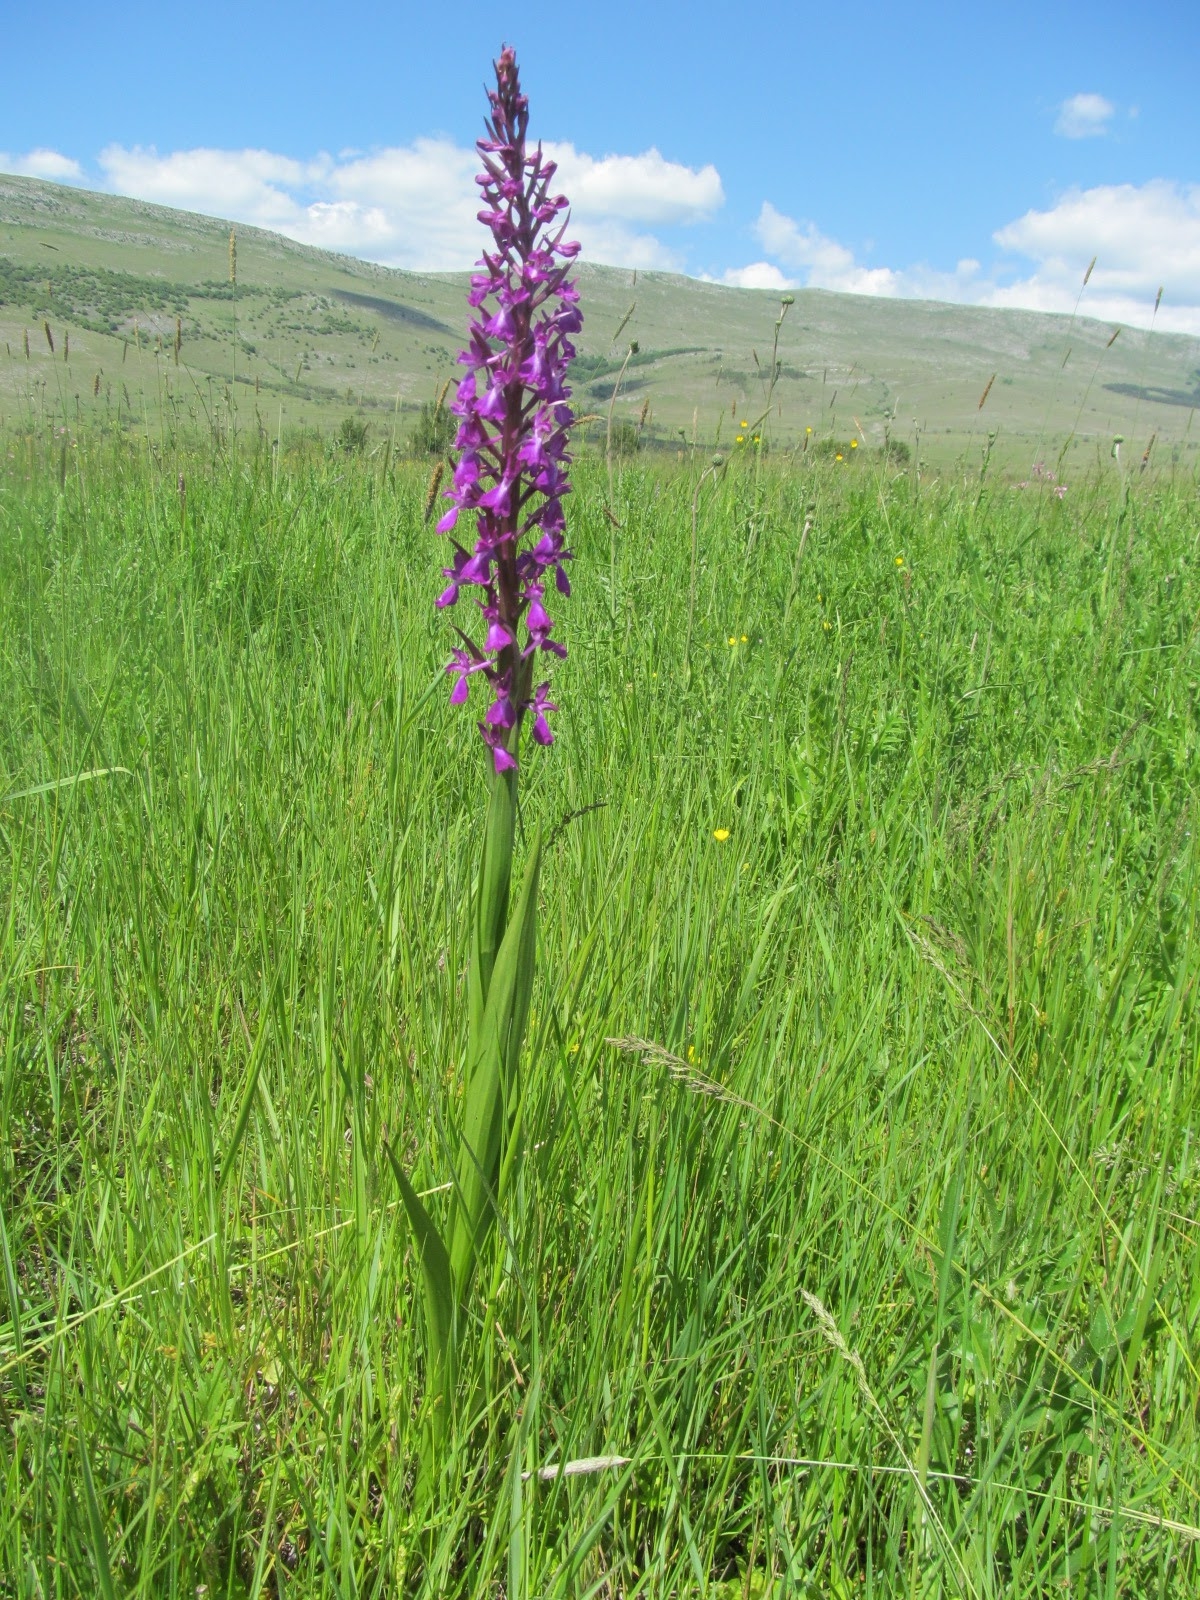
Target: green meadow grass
879,1271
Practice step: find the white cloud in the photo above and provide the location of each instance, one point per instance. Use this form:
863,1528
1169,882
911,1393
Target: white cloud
826,264
758,275
804,257
415,206
245,185
49,164
1143,236
1084,116
646,188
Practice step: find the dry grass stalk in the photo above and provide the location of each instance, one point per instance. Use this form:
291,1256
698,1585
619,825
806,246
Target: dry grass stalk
178,338
431,493
987,391
49,336
582,1468
233,257
623,324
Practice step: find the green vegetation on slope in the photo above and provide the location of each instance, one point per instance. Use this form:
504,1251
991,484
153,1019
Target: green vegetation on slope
315,335
882,1276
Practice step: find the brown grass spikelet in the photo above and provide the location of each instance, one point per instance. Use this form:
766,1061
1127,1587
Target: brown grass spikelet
1113,339
66,347
441,399
178,338
96,386
233,256
1146,452
644,413
431,493
26,331
49,336
1090,270
987,391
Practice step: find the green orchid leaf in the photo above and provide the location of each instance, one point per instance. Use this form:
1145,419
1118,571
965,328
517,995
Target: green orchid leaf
491,894
491,1099
435,1275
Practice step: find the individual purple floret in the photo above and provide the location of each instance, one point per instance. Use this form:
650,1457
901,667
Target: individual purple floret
513,421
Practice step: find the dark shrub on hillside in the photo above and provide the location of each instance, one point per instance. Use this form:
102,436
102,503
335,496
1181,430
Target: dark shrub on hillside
352,435
434,432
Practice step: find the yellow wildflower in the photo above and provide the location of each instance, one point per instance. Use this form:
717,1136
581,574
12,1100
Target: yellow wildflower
826,626
720,835
899,561
837,458
854,444
741,439
745,640
732,638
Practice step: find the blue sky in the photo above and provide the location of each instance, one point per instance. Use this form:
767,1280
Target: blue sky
964,152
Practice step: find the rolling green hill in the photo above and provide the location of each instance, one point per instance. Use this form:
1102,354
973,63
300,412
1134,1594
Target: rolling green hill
95,291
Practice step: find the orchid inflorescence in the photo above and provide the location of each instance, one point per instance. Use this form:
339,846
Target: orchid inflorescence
512,433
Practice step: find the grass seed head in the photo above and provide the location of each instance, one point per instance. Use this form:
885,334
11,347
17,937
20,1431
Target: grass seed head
431,493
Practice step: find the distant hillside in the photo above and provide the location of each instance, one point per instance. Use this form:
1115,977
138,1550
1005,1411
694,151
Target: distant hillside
307,337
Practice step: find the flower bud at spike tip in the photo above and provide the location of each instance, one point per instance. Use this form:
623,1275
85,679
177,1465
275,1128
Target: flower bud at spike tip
514,417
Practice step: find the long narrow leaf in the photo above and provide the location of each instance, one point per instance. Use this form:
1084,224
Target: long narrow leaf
54,784
495,1044
96,1524
435,1276
490,911
249,1087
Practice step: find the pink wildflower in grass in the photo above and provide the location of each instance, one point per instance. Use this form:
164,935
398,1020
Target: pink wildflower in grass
513,426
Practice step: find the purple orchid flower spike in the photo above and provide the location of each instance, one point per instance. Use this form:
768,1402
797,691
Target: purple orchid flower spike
514,420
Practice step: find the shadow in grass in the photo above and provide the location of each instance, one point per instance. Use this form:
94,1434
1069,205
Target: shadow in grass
392,309
1158,395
